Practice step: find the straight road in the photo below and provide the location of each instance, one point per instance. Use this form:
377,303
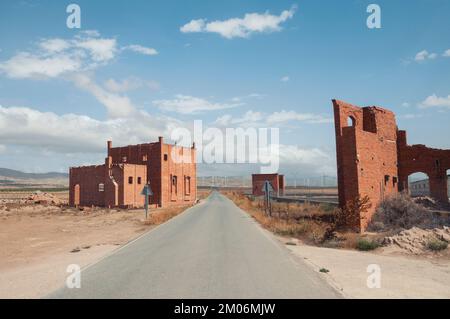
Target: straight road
213,250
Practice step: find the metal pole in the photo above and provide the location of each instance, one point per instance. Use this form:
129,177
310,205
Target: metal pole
146,206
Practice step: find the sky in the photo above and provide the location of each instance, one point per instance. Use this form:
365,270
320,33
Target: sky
136,70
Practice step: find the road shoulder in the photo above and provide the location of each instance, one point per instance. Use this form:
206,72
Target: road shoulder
401,276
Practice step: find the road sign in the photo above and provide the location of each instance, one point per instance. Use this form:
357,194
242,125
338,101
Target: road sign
267,189
146,191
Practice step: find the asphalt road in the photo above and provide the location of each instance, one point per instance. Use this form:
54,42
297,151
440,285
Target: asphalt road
213,250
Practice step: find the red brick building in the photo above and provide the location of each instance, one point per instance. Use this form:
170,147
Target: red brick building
373,158
276,180
107,185
169,169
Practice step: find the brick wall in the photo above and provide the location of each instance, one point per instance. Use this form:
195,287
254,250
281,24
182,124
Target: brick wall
162,170
373,158
419,158
107,185
87,178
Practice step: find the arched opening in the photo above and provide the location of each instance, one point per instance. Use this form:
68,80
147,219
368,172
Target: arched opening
418,184
351,121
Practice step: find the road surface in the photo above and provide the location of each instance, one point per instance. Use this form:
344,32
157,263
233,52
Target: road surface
213,250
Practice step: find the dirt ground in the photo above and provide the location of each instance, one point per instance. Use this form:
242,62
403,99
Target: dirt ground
39,241
401,275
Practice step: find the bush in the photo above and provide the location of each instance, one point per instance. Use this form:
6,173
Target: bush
437,245
348,217
399,211
366,245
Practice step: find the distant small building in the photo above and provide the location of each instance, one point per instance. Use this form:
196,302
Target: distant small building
276,180
422,187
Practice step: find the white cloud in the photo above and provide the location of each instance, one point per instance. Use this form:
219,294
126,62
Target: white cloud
73,59
285,79
250,118
57,57
436,101
286,116
446,53
425,55
71,133
258,119
186,104
241,27
193,26
116,105
141,49
26,65
54,45
129,84
101,50
309,160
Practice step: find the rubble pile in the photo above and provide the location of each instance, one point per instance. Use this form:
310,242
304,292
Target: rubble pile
415,240
43,199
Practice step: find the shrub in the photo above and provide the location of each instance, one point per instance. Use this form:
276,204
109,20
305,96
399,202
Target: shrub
399,211
347,217
437,245
366,245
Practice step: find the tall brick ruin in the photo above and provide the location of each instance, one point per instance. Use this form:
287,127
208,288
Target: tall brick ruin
170,170
373,158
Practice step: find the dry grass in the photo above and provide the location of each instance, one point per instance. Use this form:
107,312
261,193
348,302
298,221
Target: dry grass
159,216
306,222
300,221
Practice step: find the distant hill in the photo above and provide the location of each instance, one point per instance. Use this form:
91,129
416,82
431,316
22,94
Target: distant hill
11,173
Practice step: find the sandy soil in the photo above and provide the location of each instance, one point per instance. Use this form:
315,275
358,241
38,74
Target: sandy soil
39,242
402,276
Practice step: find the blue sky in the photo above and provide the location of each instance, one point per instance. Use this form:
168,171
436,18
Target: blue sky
134,55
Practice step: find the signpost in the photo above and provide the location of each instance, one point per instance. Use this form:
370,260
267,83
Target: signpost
267,189
146,191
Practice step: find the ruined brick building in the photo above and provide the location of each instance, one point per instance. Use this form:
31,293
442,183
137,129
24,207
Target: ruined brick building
374,159
276,180
169,169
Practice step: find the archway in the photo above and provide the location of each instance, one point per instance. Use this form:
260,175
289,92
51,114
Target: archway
419,184
351,121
